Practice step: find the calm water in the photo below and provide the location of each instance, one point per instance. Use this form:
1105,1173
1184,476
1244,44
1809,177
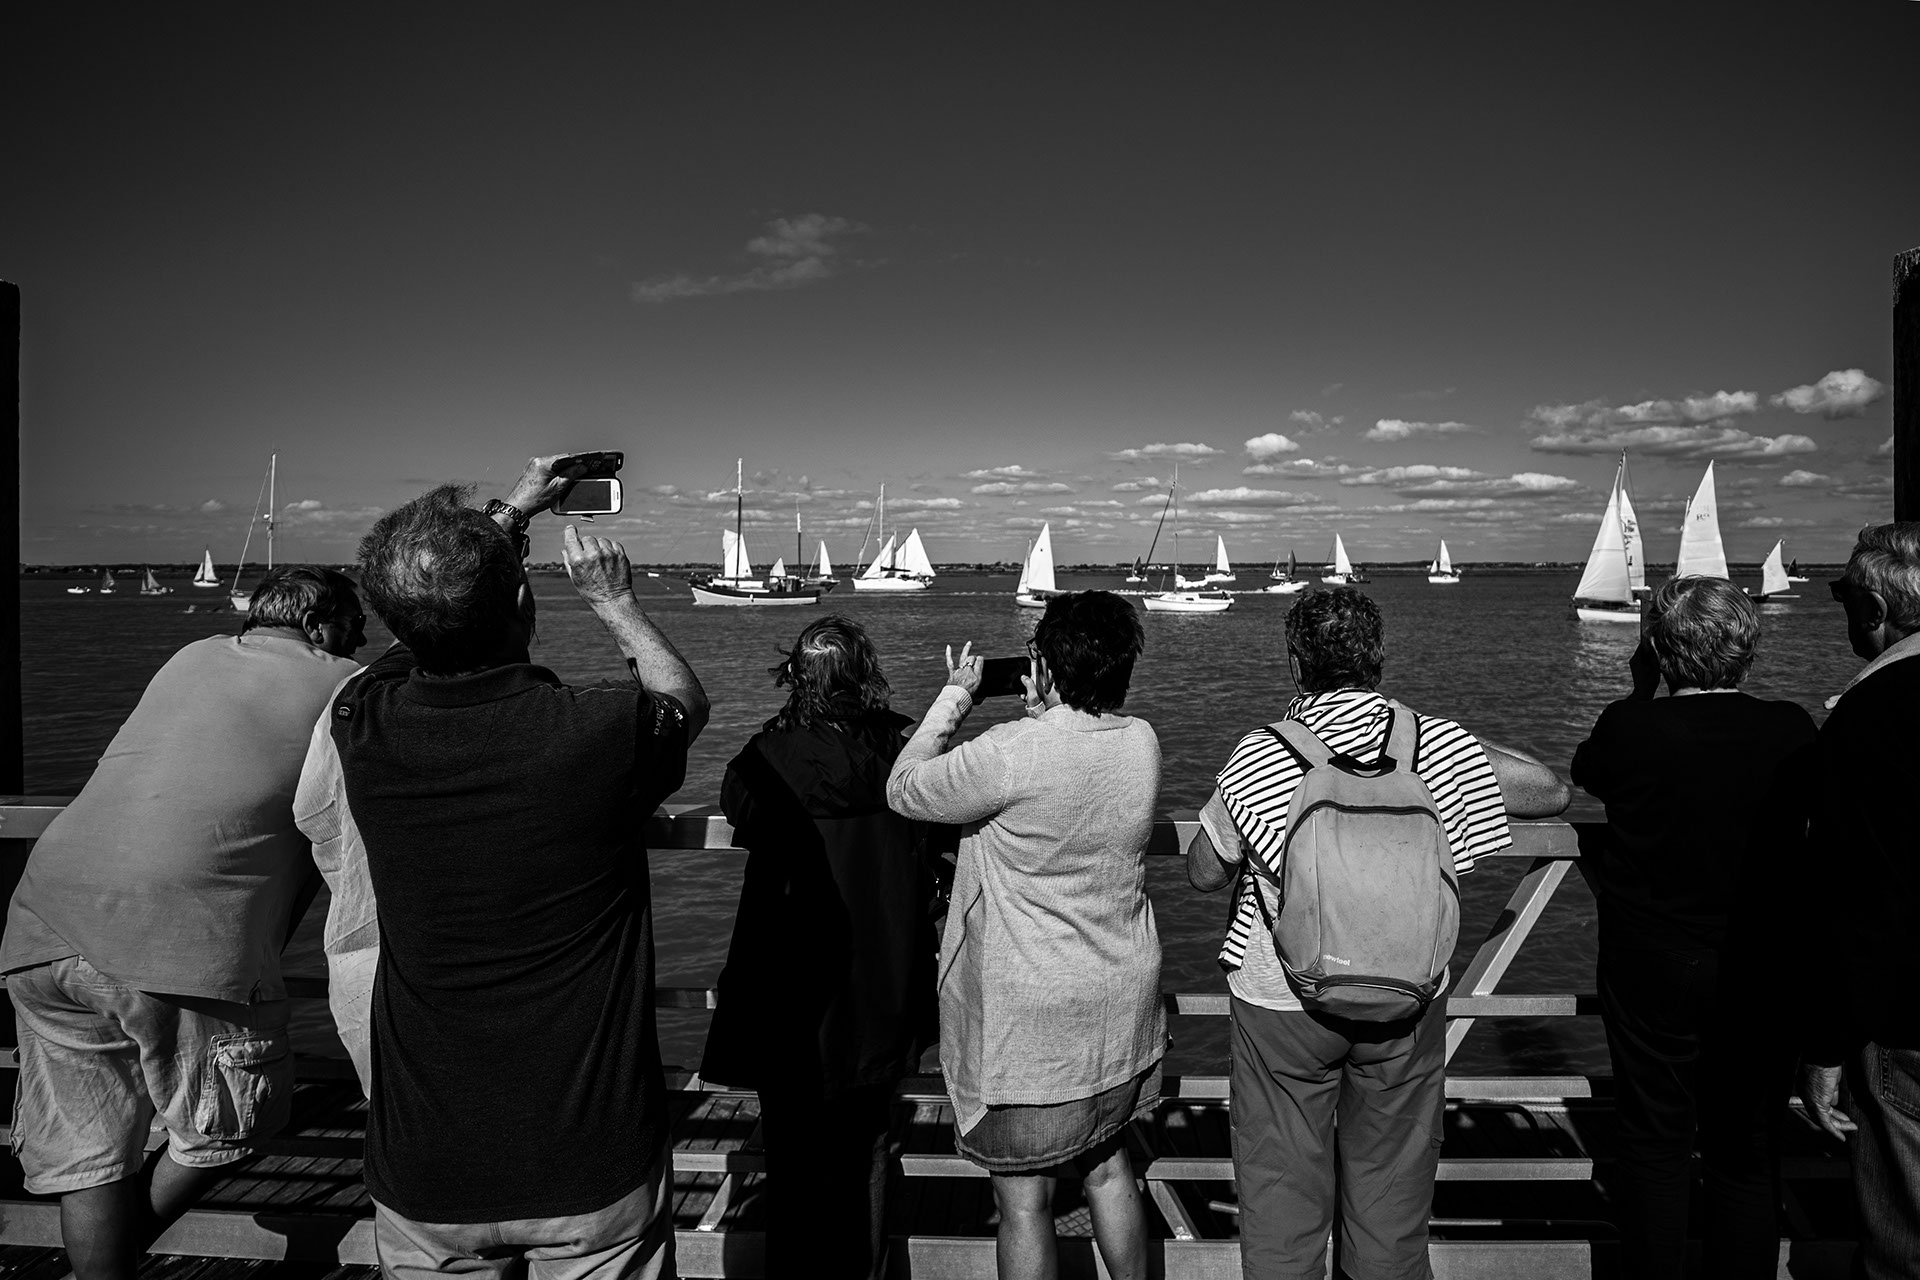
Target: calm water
1501,654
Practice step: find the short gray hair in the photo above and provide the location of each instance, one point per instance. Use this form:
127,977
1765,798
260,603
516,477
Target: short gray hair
1886,559
285,597
1703,631
444,578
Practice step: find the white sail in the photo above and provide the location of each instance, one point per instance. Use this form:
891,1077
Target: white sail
1445,563
823,568
1340,562
913,557
206,576
1700,549
1773,574
1220,564
1606,577
1038,572
779,569
1630,532
882,561
736,563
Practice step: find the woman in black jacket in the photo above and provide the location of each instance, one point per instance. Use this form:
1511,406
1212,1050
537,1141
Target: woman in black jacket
827,997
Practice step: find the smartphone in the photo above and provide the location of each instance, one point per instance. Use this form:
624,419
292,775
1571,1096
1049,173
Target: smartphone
599,466
1001,676
590,498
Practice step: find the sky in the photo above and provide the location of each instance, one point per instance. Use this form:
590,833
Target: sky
1403,272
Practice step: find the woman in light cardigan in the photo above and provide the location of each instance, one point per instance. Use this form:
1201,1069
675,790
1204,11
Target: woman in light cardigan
1051,1025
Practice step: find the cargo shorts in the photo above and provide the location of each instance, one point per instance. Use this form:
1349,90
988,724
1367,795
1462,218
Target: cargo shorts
98,1059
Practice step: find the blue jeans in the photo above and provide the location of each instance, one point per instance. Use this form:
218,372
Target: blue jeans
1884,1085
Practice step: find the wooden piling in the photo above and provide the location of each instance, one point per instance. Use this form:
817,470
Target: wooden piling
1906,385
12,739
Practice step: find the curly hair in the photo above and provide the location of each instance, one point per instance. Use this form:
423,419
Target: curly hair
1339,640
834,674
1703,631
1886,559
285,597
444,578
1090,640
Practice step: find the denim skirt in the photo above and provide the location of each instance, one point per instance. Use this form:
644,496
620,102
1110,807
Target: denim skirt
1021,1139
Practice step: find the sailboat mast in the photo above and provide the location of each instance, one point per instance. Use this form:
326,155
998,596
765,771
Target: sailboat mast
273,468
1619,497
739,505
799,552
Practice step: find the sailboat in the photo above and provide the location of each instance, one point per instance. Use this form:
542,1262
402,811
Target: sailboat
204,576
736,583
150,585
1340,570
1222,571
1441,571
243,600
106,582
1606,593
1182,599
1794,574
1701,554
1286,581
904,569
822,573
1774,582
1139,573
822,576
1036,573
79,591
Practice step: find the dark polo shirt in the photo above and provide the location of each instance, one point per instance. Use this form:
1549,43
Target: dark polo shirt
516,1067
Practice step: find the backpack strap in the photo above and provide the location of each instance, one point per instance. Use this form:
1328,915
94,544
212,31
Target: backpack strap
1403,735
1302,743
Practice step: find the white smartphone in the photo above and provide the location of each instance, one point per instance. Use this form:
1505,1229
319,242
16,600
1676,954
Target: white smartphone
590,498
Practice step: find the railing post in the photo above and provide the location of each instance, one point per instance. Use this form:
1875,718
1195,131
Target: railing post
1906,385
12,738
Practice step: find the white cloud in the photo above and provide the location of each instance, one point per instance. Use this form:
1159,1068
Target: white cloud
1270,445
1003,488
1596,418
1693,442
314,511
1242,496
1843,393
1182,450
1885,450
1400,429
1011,472
213,506
1304,468
1135,486
1310,420
1804,479
1426,478
790,253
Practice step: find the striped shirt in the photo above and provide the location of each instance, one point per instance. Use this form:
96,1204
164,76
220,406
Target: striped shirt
1249,807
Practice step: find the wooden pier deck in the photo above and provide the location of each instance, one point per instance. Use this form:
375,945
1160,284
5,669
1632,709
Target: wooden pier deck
1523,1173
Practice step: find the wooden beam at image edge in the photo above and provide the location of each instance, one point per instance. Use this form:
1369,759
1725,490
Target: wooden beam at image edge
1906,385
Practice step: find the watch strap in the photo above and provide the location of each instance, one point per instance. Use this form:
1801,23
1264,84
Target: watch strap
496,506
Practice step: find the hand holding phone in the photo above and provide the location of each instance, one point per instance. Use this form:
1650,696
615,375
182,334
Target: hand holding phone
596,489
1002,676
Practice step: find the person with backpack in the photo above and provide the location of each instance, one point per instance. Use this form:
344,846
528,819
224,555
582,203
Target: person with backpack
1344,829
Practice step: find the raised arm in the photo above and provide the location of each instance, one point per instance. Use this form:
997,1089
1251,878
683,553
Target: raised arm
599,571
1528,787
933,784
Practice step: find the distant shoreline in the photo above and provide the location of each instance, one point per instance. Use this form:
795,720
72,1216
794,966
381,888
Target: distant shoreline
1388,568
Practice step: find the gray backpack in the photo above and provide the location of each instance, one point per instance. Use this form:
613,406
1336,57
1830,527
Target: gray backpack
1369,900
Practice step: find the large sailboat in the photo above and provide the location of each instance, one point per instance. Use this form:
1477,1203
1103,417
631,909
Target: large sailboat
1441,571
821,575
1036,574
1774,582
1222,571
1340,570
1701,554
243,600
204,576
736,583
1606,591
1185,598
1286,581
905,568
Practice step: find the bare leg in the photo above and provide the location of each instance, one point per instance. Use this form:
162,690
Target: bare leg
1119,1225
107,1228
1025,1249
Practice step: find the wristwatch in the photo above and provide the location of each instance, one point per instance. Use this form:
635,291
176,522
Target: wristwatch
496,506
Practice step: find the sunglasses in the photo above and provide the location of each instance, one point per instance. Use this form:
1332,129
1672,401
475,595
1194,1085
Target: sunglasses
1840,587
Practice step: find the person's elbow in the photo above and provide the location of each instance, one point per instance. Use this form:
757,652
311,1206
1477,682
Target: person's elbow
1535,793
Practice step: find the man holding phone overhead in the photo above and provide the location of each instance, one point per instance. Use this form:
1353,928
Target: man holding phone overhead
493,813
